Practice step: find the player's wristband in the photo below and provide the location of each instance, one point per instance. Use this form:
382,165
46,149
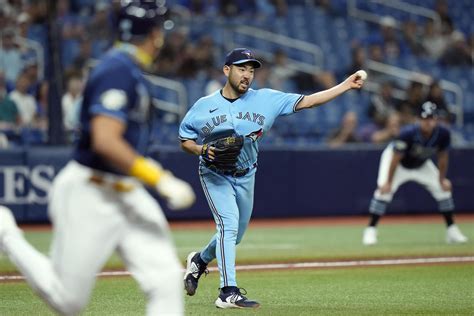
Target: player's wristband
145,171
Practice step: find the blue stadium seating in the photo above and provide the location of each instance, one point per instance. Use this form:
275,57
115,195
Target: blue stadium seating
334,32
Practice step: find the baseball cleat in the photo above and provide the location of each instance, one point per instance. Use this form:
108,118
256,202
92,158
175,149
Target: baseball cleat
8,225
370,236
454,235
194,269
235,299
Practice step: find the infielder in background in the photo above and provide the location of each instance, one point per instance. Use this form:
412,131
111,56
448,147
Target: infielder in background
224,129
408,159
98,201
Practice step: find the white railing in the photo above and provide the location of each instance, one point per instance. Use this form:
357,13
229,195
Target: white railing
353,10
178,108
282,40
409,75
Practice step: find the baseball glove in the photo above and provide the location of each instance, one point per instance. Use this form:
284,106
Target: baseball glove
226,151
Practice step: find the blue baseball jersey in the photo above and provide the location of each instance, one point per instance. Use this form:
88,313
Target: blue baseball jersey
251,115
416,148
116,88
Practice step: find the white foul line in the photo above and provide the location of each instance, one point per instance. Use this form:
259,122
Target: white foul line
329,264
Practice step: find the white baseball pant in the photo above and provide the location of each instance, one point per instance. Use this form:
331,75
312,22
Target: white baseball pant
90,221
426,175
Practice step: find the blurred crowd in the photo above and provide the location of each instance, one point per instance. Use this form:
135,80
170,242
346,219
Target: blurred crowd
87,31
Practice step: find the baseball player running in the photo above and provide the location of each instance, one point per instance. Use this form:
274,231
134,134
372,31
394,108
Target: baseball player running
224,129
98,202
408,159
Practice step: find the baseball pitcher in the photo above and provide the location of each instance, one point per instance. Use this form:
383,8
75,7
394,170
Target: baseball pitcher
224,130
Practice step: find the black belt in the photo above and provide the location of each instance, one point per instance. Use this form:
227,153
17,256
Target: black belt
236,173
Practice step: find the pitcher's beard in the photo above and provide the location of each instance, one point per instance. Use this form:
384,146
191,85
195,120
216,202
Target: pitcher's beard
238,89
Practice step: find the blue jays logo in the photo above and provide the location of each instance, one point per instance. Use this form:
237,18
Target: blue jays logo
247,53
254,136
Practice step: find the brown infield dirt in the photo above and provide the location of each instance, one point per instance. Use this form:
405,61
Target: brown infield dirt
304,222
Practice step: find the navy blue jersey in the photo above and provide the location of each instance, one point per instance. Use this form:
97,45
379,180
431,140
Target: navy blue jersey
416,149
116,88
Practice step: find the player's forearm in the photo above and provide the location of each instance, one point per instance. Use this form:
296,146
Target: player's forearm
322,97
116,151
191,147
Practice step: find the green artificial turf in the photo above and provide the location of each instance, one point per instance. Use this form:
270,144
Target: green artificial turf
407,290
392,290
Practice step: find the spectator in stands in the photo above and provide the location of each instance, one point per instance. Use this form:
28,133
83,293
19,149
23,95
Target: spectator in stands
174,52
233,7
10,56
409,107
359,59
458,52
203,53
101,28
31,71
216,81
70,101
4,17
390,42
376,52
445,116
346,133
413,38
436,95
285,77
24,101
271,8
71,26
441,7
434,42
389,131
84,54
23,24
9,116
263,77
281,72
41,118
382,104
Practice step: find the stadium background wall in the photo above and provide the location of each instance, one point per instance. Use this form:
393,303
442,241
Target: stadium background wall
296,183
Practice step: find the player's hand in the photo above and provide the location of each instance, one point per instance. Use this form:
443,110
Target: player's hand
208,152
446,184
177,192
354,81
386,188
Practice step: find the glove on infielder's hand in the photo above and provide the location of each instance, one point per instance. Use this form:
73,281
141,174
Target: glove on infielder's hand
177,192
226,150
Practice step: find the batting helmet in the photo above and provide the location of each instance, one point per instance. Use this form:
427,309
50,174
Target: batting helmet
138,17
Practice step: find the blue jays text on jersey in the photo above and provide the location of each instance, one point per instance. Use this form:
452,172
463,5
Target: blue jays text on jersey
116,88
416,148
251,115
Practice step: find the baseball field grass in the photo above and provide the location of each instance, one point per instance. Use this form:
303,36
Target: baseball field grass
407,289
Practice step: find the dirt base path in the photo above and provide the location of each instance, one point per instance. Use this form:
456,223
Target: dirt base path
306,221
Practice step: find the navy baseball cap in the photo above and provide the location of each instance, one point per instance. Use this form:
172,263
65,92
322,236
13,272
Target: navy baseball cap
428,110
240,56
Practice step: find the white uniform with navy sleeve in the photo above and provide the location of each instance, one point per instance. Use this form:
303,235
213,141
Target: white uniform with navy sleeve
230,197
96,210
415,165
